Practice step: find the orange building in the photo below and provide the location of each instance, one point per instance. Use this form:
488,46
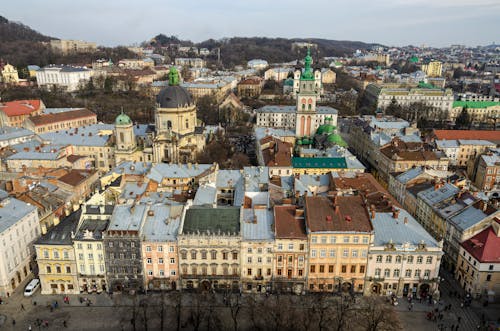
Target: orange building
13,113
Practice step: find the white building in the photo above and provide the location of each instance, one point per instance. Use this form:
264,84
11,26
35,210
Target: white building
403,259
277,74
19,228
257,64
13,136
64,77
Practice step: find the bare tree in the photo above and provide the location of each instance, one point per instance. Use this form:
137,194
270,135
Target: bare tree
144,307
376,315
176,299
235,304
253,312
196,312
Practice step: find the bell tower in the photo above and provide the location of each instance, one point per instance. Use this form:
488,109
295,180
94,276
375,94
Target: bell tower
307,96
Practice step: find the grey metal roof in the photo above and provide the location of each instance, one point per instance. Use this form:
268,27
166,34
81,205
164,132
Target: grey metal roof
60,234
163,170
162,223
388,229
91,135
8,132
255,178
447,144
205,195
293,109
58,110
127,217
228,178
256,224
432,196
91,229
408,175
467,218
132,189
12,211
132,168
174,97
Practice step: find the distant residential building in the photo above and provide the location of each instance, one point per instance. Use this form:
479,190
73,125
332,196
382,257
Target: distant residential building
480,112
217,88
32,69
328,76
172,177
275,154
484,171
478,263
190,62
72,46
56,259
12,136
277,74
250,87
14,113
68,78
257,64
461,151
135,64
433,68
19,228
64,120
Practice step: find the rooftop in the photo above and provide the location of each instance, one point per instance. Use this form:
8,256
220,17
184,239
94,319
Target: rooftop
12,211
45,119
96,135
162,223
59,234
164,170
468,134
433,195
209,220
8,132
127,217
20,107
91,229
287,225
484,246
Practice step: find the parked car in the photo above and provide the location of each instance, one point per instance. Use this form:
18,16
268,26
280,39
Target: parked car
31,288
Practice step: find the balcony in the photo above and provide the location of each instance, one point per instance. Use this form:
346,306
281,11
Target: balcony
258,277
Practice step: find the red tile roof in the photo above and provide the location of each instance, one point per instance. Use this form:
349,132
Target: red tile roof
468,134
286,225
351,214
20,107
76,177
484,246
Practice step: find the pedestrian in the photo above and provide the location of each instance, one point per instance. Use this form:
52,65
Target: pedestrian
29,327
459,318
64,324
13,322
22,307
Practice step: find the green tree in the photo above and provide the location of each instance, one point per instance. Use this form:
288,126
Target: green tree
463,120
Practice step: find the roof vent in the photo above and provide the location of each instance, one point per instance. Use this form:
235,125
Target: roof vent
151,213
348,218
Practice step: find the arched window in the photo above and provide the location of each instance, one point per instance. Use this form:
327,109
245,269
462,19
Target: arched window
187,123
169,124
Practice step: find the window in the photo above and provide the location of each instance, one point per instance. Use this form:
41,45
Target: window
361,269
160,249
160,260
330,268
133,256
148,260
321,268
235,256
314,240
322,253
184,255
193,255
379,258
80,256
49,270
132,244
395,273
89,246
56,254
58,269
312,269
388,259
203,255
417,273
172,260
387,272
488,278
332,253
249,250
224,255
290,247
409,260
66,254
353,269
428,260
162,273
213,255
490,267
301,247
249,259
346,252
280,247
354,253
365,240
364,253
333,240
313,253
171,249
300,272
346,239
259,250
45,253
419,259
323,239
377,272
148,248
355,239
259,260
279,272
249,272
427,273
408,273
398,259
90,256
344,269
110,244
80,246
268,259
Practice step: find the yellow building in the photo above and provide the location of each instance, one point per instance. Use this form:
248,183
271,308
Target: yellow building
478,264
339,235
56,260
9,74
433,68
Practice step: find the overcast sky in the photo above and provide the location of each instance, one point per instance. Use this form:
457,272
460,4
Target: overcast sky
389,22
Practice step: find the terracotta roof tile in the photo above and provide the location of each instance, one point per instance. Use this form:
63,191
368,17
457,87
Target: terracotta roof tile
286,225
468,134
45,119
484,246
20,107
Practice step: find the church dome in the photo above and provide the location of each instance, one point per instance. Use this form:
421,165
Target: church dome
123,119
174,96
337,140
326,129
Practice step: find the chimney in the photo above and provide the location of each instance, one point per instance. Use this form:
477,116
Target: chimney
373,213
337,209
406,220
395,213
329,218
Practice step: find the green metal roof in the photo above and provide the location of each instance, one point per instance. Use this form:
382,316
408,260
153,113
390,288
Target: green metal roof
413,59
426,85
173,77
308,73
337,139
475,104
326,128
213,220
319,162
123,119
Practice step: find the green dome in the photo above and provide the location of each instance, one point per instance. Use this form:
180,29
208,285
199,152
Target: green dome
326,129
337,139
123,119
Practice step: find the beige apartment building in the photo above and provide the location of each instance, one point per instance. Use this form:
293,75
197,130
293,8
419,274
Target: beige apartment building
66,120
339,236
72,46
290,250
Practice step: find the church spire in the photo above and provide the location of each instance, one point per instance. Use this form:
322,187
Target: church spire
308,73
173,77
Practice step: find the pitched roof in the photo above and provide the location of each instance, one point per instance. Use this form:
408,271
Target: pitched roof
75,177
490,135
351,215
484,246
319,162
212,220
45,119
20,107
286,225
